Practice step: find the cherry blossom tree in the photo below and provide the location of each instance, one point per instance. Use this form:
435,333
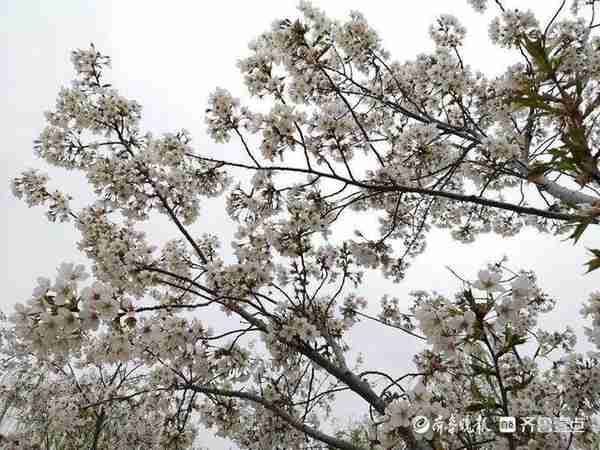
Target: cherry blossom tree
340,128
72,403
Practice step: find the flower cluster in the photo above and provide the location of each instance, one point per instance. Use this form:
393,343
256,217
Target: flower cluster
478,5
448,32
222,115
358,40
592,309
508,30
31,186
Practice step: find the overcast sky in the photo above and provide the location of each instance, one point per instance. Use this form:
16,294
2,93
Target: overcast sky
169,56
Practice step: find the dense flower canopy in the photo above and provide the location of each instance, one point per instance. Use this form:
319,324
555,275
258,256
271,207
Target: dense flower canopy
122,348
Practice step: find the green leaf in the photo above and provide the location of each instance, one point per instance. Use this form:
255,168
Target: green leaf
593,263
475,392
528,101
474,407
478,370
579,87
517,340
558,153
567,166
537,51
579,229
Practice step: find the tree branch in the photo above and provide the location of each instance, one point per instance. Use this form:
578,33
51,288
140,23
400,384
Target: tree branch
290,419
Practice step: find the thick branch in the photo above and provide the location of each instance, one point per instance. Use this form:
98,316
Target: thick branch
293,421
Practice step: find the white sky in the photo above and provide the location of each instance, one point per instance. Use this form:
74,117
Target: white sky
169,56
